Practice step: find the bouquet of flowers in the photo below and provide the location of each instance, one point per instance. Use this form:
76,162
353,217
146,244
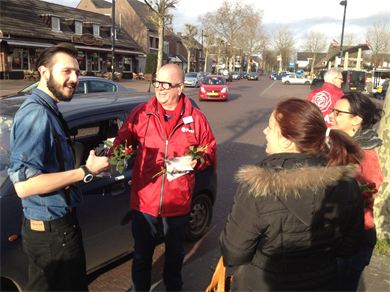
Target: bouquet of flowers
120,155
193,153
368,191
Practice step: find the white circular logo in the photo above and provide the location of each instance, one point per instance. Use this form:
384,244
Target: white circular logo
323,100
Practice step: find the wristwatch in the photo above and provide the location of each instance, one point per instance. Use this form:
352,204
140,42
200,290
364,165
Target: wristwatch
88,176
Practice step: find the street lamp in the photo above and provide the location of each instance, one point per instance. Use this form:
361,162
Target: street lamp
343,3
113,34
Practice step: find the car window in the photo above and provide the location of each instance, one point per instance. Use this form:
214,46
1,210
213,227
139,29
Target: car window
81,87
101,86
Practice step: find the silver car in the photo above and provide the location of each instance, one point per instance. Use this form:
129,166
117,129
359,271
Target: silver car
191,79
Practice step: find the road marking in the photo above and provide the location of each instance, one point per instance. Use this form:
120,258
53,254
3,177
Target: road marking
265,90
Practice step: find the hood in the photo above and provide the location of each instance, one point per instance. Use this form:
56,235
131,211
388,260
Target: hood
262,181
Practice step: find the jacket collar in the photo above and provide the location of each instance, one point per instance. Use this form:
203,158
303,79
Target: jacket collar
291,173
44,99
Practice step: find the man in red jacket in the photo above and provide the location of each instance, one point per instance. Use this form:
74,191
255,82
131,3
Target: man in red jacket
163,128
330,92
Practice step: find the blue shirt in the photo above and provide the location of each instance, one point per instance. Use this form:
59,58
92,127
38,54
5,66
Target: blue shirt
33,152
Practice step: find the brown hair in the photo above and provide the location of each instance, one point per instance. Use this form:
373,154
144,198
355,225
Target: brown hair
302,122
47,54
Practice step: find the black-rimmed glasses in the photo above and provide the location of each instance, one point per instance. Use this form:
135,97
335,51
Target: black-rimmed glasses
338,112
164,85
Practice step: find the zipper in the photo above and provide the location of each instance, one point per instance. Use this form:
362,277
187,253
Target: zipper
165,158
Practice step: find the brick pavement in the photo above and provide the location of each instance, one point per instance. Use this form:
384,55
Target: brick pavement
376,276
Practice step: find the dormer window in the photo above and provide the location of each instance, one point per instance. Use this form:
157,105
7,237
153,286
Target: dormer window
78,27
55,23
96,30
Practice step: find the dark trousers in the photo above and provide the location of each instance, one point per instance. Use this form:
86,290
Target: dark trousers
148,231
351,269
56,256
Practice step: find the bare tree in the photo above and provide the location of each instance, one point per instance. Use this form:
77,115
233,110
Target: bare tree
252,37
162,17
189,42
227,23
382,202
283,42
350,39
314,42
378,36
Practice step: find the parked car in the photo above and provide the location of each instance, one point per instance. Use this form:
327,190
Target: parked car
87,85
213,87
353,80
280,75
104,214
191,79
295,79
243,75
252,76
236,75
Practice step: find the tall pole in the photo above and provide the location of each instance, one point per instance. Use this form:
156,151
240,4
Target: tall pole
113,34
343,3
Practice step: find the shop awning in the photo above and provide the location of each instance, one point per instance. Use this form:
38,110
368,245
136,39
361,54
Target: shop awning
26,43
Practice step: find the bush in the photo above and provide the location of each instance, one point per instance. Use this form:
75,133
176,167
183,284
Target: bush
151,63
382,247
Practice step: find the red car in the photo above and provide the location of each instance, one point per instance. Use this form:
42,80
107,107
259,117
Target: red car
213,87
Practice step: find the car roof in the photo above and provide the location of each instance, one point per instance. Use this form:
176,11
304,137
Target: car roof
78,106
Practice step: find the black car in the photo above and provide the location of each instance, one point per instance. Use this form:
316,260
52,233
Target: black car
252,76
104,213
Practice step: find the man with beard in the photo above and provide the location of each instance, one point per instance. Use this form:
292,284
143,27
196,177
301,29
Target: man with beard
43,174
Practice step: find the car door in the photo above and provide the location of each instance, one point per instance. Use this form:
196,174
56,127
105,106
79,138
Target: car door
104,212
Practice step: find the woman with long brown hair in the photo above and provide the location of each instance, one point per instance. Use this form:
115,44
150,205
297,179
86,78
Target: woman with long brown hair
299,209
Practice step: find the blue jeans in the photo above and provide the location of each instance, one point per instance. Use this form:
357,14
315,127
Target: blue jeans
148,231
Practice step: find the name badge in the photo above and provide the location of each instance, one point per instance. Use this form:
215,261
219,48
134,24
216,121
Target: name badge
188,120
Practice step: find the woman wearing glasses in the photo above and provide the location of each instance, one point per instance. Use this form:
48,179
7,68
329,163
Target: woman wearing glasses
356,115
299,209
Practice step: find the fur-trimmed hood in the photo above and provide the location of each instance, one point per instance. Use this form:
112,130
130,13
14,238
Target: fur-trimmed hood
264,181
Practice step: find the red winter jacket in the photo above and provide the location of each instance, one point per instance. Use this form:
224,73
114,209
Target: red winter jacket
143,129
325,98
370,172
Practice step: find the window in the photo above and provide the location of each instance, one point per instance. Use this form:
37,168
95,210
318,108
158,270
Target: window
127,64
96,30
55,23
20,59
166,47
101,86
78,27
151,42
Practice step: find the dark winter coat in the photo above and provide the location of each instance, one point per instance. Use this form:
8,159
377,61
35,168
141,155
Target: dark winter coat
291,217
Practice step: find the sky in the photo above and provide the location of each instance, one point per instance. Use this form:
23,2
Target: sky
300,16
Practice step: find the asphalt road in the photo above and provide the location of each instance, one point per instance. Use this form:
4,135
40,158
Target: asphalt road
237,125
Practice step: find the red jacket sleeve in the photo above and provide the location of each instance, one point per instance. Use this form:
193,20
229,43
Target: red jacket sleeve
370,169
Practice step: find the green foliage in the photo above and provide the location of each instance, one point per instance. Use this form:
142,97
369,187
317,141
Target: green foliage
382,247
151,63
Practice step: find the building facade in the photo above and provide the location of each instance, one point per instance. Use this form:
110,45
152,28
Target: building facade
27,27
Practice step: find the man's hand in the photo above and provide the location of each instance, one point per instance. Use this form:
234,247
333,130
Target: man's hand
97,164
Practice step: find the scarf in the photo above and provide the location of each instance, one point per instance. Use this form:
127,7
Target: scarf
170,124
367,138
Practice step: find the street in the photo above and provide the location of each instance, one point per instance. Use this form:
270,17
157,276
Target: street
237,125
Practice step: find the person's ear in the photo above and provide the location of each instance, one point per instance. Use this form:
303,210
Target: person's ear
44,71
356,120
288,145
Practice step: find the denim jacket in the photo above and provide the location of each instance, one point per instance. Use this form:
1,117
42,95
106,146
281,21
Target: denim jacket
33,151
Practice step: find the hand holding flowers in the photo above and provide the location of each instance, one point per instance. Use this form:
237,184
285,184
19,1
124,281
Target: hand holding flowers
120,155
